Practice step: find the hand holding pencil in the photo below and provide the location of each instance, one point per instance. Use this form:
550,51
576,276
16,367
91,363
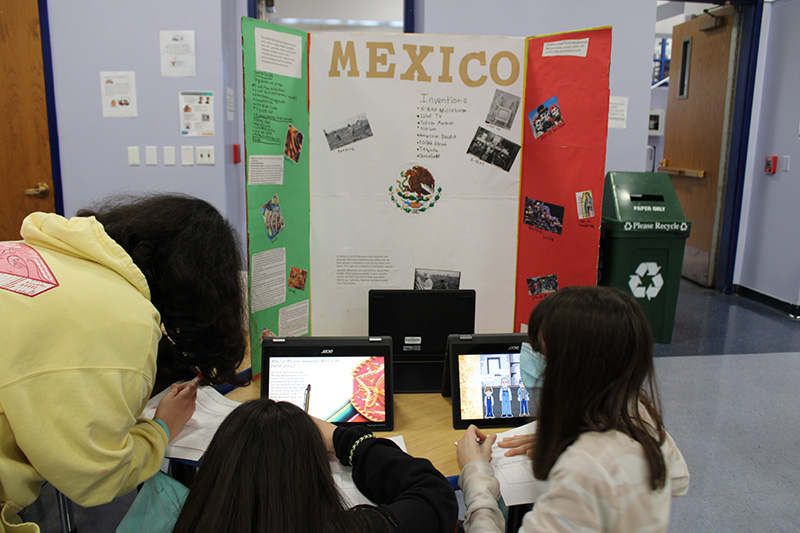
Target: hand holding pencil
475,445
177,407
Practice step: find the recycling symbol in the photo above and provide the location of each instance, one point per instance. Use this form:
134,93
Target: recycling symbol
656,281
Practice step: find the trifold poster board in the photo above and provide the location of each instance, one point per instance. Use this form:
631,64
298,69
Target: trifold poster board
371,155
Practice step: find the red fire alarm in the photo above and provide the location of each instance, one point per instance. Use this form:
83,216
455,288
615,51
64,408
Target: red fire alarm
771,164
237,154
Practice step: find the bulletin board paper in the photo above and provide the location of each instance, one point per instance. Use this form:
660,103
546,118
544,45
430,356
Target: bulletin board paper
276,125
382,105
564,144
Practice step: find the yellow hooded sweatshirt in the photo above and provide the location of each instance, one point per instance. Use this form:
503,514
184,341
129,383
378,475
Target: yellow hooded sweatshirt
77,365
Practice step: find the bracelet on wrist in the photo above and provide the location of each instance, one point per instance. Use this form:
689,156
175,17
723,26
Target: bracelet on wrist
356,443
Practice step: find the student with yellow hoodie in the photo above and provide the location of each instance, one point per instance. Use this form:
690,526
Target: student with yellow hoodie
83,303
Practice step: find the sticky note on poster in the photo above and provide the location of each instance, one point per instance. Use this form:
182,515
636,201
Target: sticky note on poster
293,320
279,53
567,47
265,170
268,286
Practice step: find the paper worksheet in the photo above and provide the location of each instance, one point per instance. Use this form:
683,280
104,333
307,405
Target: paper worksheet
192,442
515,474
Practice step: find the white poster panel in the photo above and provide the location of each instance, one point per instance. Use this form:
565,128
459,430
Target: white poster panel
415,162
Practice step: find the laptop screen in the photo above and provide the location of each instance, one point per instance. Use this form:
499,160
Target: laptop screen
344,380
485,379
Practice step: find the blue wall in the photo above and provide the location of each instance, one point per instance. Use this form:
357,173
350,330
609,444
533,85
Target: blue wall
768,252
91,36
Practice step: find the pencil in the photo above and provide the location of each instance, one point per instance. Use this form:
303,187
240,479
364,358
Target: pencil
307,399
477,439
196,379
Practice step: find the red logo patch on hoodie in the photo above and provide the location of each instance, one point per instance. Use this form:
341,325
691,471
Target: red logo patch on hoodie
23,271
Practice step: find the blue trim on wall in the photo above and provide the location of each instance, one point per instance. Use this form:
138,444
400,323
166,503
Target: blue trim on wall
252,8
408,16
50,94
737,159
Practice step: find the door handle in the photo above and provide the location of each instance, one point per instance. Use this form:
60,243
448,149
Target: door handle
40,191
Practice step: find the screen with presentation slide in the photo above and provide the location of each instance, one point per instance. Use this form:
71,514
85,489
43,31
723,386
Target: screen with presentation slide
485,380
344,380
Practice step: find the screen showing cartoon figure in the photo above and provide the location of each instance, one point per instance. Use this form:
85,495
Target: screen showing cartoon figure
337,389
490,387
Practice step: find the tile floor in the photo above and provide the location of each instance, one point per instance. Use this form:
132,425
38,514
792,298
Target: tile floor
730,384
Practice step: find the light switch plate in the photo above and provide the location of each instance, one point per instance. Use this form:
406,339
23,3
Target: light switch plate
169,155
204,155
150,155
133,156
187,155
785,163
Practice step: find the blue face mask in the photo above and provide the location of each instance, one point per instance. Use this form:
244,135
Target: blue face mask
531,368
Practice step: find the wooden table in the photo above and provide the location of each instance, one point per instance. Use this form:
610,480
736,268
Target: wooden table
424,420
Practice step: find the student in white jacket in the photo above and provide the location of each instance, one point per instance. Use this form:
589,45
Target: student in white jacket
601,444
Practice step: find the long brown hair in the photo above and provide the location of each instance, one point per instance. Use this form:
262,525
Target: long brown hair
267,470
599,374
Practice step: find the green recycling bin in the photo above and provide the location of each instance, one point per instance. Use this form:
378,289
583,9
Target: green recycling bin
642,238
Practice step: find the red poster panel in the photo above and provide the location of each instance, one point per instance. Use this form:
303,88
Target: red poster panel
563,164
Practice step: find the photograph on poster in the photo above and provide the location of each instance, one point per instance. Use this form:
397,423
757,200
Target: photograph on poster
547,217
585,204
503,109
293,144
542,285
297,278
266,332
267,279
493,149
426,278
546,118
348,131
273,219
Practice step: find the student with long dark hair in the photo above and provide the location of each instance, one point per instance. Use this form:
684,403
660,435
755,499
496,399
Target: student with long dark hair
267,470
600,442
83,305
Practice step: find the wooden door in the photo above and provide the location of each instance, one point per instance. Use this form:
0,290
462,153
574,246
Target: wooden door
24,134
696,136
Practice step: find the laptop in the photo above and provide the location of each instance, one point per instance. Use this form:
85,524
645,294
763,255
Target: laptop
344,380
485,380
419,323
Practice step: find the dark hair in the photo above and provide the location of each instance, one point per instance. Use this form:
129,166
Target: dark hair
267,470
191,259
599,374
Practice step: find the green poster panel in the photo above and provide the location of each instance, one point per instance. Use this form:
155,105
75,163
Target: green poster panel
275,60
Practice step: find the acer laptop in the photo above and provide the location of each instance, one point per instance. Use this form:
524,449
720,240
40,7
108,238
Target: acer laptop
344,380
